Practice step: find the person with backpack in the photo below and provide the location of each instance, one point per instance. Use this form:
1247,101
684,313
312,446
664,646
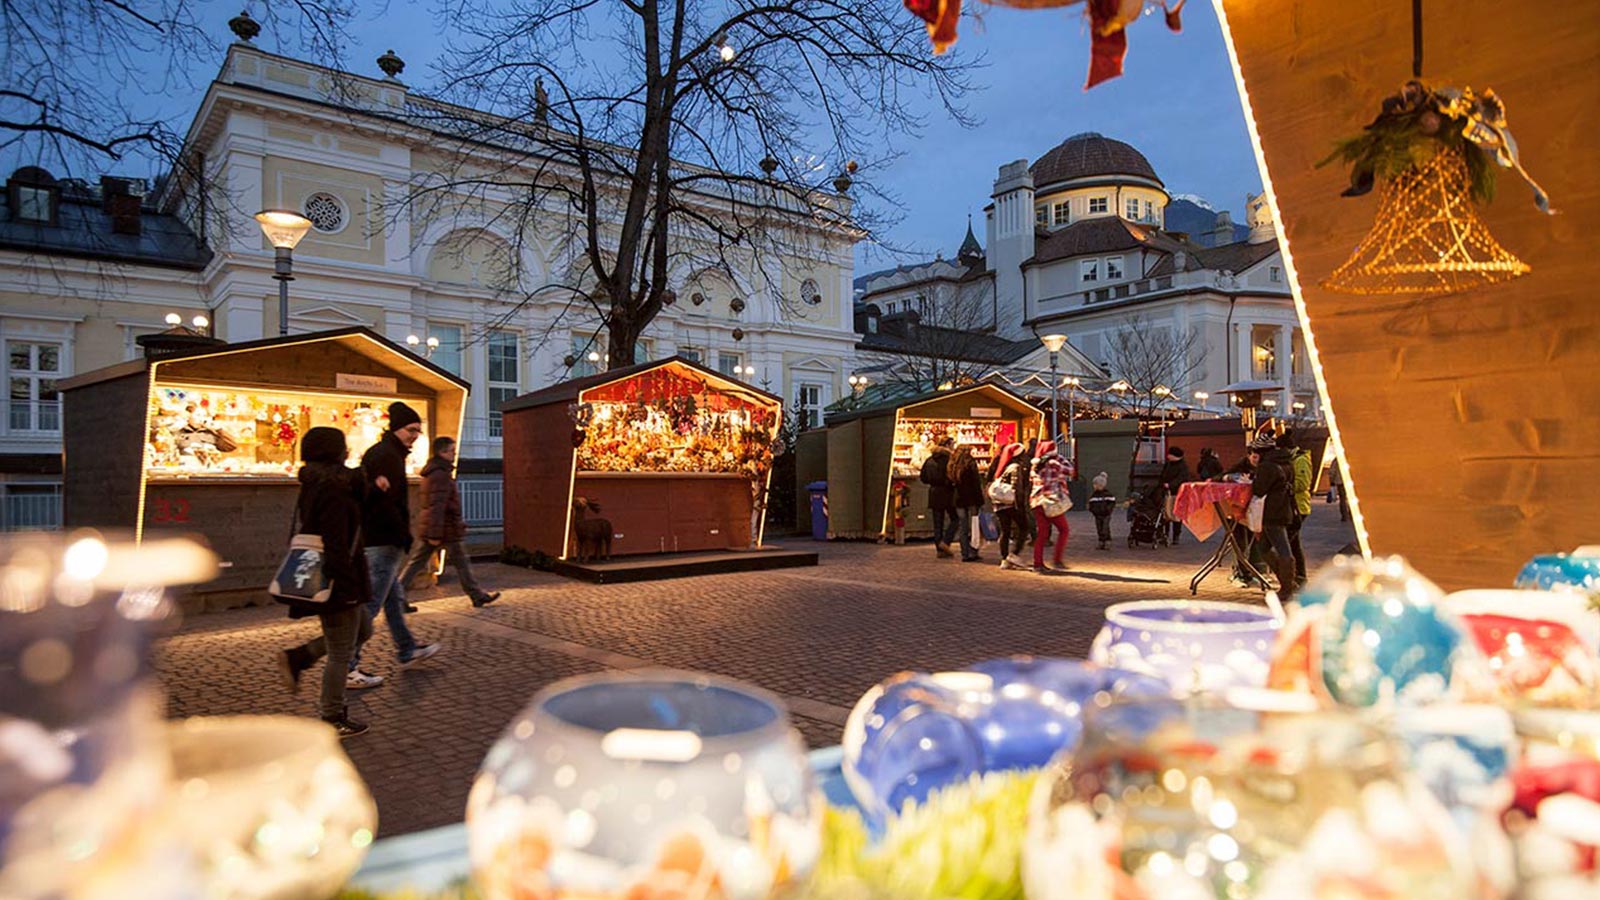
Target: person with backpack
441,525
1050,502
1101,504
329,506
968,483
941,495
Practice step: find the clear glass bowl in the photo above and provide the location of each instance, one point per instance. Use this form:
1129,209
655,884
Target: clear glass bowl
659,785
1192,645
1193,799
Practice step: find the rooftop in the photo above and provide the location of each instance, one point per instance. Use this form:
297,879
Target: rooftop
1088,155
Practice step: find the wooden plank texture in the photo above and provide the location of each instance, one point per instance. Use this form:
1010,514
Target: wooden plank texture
1470,419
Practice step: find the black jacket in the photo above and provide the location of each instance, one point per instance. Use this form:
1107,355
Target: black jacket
1274,480
330,506
941,492
1209,468
1174,474
1102,504
969,490
387,516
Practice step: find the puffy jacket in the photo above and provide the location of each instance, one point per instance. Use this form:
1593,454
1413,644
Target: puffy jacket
387,516
1301,461
1274,480
941,492
441,520
1102,504
329,507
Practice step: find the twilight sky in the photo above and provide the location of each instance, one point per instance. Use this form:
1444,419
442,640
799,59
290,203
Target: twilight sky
1176,102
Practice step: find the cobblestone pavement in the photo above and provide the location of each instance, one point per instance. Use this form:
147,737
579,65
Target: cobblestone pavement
818,637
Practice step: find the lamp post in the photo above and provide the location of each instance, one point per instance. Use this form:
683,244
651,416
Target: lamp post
1054,343
1202,396
858,384
283,228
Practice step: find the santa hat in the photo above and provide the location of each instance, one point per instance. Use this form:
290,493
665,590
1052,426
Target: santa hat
1046,448
1007,453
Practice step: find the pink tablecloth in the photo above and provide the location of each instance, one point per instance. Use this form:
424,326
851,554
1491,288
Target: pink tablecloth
1196,505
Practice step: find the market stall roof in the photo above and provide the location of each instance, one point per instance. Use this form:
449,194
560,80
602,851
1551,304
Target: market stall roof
1001,394
361,341
571,389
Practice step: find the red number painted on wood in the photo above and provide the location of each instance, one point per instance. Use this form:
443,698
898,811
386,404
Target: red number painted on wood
170,511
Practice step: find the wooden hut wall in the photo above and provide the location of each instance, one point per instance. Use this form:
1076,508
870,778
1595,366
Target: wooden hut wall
102,441
877,441
1475,409
810,465
846,467
537,449
1106,445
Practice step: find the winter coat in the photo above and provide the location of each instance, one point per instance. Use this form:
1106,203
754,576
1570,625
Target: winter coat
969,488
1274,480
1102,503
441,521
1301,462
1174,474
1050,476
941,492
1209,468
329,507
387,516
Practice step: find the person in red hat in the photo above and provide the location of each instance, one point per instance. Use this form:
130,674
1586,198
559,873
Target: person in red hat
1050,502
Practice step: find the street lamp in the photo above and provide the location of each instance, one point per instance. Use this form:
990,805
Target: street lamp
1202,396
283,228
174,319
1054,343
1299,408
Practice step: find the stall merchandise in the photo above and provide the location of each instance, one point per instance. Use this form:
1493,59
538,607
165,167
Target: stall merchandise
666,421
914,440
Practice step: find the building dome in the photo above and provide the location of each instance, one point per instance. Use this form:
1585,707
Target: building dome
1090,155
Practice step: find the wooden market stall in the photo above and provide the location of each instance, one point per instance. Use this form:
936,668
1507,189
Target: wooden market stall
875,454
678,457
206,440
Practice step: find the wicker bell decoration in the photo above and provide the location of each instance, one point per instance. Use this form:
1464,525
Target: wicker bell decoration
1427,238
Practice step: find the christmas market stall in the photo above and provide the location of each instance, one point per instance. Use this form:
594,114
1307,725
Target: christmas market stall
205,438
875,454
673,458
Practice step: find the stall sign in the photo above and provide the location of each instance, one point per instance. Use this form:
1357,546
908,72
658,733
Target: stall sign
374,384
987,412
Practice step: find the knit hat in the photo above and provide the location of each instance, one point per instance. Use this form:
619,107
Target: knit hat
1287,441
323,445
1100,481
401,415
1175,452
1264,442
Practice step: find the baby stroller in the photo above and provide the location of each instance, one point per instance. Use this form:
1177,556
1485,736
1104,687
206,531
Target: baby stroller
1144,517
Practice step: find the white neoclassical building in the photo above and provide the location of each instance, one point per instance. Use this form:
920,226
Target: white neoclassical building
85,268
1076,245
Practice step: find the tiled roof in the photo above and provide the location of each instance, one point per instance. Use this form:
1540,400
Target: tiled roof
83,229
948,343
1229,257
1105,234
1087,155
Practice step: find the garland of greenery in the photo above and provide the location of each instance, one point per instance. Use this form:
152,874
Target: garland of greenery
1414,125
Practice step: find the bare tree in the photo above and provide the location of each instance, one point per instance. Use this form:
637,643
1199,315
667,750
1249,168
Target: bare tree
1155,362
647,139
947,336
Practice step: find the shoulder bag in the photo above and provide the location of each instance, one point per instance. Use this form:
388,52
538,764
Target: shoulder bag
300,578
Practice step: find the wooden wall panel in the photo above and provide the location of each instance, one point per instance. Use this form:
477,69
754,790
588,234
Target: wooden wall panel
537,450
103,452
1470,420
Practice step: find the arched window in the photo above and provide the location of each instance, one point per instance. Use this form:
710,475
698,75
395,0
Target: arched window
474,257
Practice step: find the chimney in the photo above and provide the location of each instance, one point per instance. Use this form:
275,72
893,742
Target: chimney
121,199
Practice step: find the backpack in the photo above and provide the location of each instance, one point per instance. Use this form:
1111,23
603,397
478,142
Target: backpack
932,476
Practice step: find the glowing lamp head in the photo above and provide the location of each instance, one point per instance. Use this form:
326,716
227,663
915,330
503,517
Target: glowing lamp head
200,321
1054,342
727,53
283,227
1202,396
413,340
594,356
174,319
433,343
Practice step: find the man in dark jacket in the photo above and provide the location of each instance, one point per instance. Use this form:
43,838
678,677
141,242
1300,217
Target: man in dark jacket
1210,466
1173,477
386,521
329,506
941,495
441,525
1274,481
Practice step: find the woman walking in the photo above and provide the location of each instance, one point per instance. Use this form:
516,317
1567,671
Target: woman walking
1050,503
963,473
1009,502
329,507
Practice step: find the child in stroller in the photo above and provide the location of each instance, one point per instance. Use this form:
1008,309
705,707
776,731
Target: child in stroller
1144,516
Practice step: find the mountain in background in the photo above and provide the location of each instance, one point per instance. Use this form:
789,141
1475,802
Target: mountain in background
1198,219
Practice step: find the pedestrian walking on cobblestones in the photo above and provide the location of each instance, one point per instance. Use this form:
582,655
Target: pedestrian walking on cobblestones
1174,474
1101,504
1010,504
386,519
1274,483
968,483
329,506
941,495
1050,503
441,525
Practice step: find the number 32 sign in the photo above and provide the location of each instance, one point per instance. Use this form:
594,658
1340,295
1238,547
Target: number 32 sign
169,511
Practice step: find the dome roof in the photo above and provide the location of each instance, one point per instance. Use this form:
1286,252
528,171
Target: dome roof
1088,155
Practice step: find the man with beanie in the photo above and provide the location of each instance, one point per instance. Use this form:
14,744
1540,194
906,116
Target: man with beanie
386,526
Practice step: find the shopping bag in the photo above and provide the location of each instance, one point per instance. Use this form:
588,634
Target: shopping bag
1255,513
988,526
299,577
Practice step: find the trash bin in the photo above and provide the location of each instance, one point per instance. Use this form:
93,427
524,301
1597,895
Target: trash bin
819,510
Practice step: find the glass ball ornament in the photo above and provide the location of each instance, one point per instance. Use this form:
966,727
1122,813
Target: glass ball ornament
1553,816
1374,632
1186,799
658,785
1578,571
1191,645
1541,646
918,732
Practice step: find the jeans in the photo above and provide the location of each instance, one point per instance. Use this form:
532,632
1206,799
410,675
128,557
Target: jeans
968,515
454,553
389,596
1294,545
343,630
1277,537
944,526
1043,524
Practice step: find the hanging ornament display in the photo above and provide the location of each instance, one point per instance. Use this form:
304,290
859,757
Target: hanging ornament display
1433,153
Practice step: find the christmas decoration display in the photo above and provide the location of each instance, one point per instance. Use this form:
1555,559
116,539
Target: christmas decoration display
917,732
914,440
1462,753
1190,645
662,786
1168,800
1543,647
664,420
1576,571
1553,817
224,431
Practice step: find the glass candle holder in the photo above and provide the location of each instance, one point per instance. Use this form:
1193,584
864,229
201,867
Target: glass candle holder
1553,819
659,785
1187,799
83,764
270,805
1191,645
1542,647
1578,570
